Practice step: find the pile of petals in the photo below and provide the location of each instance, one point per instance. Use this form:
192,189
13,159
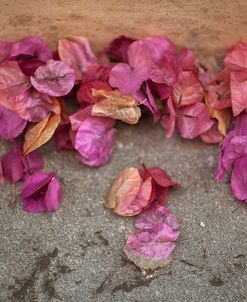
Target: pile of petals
143,192
78,98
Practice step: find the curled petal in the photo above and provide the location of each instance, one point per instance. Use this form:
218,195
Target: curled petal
116,105
129,194
55,78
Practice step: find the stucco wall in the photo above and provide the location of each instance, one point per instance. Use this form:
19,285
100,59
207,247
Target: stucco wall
207,26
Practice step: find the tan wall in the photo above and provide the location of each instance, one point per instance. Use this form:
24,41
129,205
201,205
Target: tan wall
207,26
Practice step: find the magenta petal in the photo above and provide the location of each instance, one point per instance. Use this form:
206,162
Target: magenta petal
241,125
11,125
193,120
31,46
33,106
129,78
123,77
33,162
95,140
239,178
55,78
41,192
12,165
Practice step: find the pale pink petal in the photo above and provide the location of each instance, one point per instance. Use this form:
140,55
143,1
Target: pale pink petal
77,53
12,84
239,91
152,248
193,120
188,90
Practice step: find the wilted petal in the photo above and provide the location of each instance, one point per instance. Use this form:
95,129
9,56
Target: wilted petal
11,125
77,53
41,192
38,134
193,120
55,78
239,178
94,140
116,105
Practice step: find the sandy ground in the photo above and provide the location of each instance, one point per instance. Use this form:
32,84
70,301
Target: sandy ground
76,253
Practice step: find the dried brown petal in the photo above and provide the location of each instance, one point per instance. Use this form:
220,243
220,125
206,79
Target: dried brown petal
38,134
116,105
